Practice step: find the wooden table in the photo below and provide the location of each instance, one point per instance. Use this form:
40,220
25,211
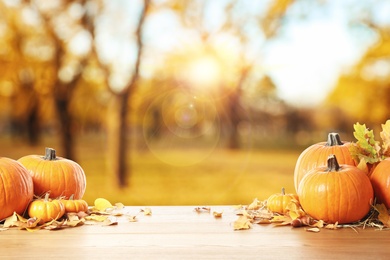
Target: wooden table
179,232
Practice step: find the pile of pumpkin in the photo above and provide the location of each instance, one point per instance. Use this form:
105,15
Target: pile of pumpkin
332,187
44,187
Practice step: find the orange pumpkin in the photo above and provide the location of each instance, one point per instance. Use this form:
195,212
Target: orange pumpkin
72,205
336,193
55,175
380,180
317,154
46,209
16,188
278,202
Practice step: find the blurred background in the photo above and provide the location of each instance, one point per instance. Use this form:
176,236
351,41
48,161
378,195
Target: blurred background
172,102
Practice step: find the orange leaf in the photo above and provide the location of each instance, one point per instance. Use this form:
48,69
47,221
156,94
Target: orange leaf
383,216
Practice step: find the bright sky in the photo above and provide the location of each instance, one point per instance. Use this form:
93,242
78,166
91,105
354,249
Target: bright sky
304,61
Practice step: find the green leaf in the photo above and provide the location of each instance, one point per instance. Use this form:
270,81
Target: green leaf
385,135
366,147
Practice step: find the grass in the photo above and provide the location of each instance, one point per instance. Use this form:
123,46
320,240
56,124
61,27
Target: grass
178,176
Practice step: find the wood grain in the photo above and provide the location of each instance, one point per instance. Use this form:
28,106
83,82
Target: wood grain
181,233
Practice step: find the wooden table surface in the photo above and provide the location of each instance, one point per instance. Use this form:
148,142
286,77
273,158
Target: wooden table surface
179,232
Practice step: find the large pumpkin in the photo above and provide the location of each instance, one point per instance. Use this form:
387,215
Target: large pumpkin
380,180
336,193
317,154
55,175
16,188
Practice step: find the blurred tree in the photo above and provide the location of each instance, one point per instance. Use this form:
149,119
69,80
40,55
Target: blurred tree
249,26
119,105
363,92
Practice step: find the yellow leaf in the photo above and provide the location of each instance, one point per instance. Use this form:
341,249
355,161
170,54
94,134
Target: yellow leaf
132,218
119,205
294,210
147,211
94,217
256,204
242,223
102,204
281,219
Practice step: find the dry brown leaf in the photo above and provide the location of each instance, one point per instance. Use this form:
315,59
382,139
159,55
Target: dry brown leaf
217,214
202,209
332,226
319,224
53,225
242,223
11,221
383,215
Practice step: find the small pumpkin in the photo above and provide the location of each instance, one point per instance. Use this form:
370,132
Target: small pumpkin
380,180
46,209
55,175
317,154
278,202
16,188
336,193
72,205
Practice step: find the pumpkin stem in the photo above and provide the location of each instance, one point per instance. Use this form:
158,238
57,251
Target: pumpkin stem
333,139
47,196
50,154
333,164
283,191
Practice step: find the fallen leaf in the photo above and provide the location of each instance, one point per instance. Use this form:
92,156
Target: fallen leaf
102,204
11,221
217,214
294,210
98,218
202,209
242,223
110,221
147,211
383,216
281,219
314,229
332,226
256,204
132,218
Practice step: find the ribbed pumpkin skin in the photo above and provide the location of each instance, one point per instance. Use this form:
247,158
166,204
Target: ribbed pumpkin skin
279,202
316,155
75,205
46,209
342,196
61,177
16,188
380,180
